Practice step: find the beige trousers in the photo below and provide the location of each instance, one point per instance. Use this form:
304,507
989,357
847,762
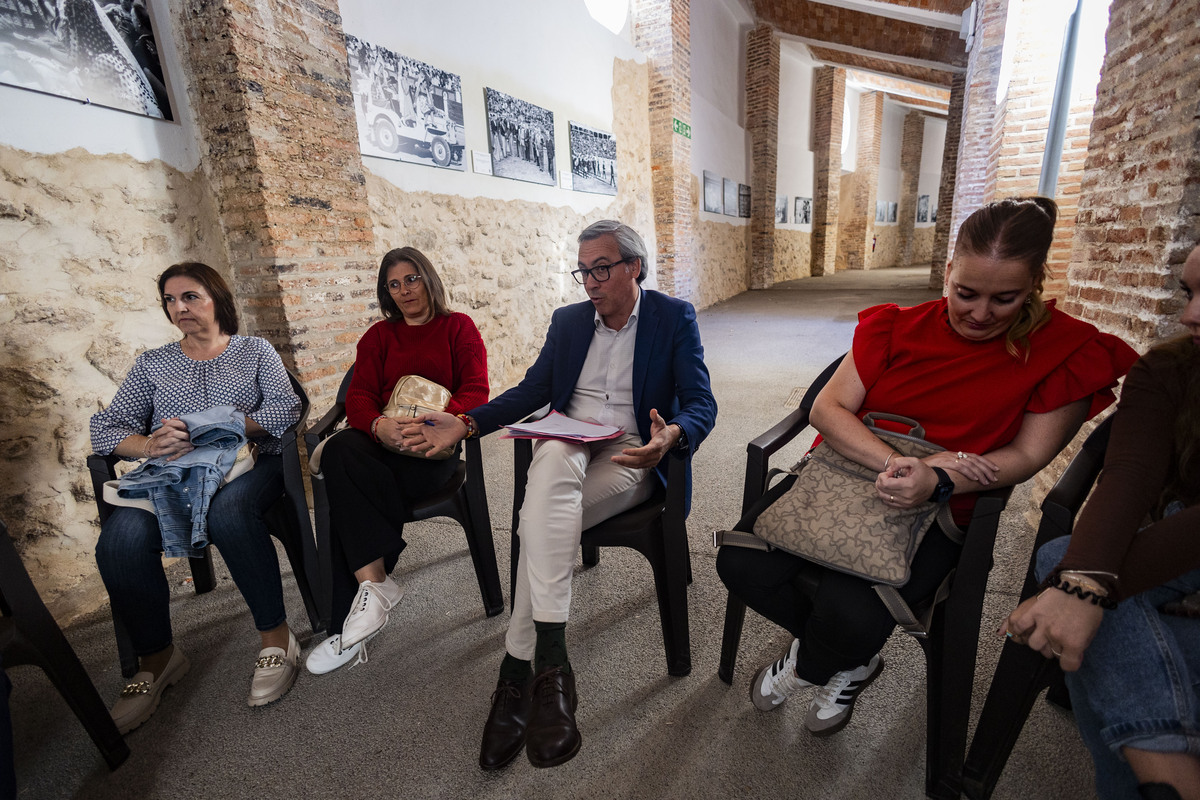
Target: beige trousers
571,487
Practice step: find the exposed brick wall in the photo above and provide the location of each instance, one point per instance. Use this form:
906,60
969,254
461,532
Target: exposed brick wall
979,104
829,98
662,30
1139,211
281,152
945,199
863,30
882,66
911,145
762,123
856,229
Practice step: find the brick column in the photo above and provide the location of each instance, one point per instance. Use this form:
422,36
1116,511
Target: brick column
829,99
762,123
280,148
856,231
662,30
945,199
911,145
979,112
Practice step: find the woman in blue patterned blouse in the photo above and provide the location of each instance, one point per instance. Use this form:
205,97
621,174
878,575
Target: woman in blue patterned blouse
211,366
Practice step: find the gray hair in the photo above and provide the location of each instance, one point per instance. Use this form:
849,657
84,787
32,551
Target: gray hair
629,242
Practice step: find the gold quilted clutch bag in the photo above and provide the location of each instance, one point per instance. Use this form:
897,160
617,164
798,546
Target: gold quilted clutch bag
412,397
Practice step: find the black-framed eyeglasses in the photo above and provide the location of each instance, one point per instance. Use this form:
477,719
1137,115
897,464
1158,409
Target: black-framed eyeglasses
601,272
393,286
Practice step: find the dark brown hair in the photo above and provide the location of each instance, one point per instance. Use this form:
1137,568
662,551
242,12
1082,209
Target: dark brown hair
1017,229
424,267
1184,356
211,280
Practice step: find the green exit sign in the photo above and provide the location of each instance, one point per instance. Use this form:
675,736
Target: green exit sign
682,128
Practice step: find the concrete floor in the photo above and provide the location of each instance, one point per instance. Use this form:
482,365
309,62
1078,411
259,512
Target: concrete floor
407,724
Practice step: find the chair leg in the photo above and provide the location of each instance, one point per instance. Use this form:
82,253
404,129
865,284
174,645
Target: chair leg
283,525
735,616
204,575
950,675
1020,676
591,556
478,528
62,666
668,560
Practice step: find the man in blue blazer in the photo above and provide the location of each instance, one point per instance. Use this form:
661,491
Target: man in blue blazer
627,357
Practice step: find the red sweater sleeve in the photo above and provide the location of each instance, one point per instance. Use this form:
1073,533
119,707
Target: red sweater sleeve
470,388
365,397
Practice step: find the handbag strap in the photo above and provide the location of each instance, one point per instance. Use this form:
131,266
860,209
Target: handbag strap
740,539
900,610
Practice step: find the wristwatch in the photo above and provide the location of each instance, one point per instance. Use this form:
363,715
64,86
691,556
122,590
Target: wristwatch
681,445
945,487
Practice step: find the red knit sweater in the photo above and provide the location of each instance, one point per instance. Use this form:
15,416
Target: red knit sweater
447,350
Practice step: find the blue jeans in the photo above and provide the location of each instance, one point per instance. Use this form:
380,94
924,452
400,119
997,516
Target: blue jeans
129,554
1139,685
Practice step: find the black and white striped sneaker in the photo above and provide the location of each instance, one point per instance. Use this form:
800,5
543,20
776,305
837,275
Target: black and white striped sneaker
777,680
833,704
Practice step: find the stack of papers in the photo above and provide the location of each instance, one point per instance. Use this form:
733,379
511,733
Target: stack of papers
559,426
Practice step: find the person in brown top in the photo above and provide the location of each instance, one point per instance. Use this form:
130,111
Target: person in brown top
1133,666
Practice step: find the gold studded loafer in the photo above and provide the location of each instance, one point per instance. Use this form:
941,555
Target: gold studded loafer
140,696
274,672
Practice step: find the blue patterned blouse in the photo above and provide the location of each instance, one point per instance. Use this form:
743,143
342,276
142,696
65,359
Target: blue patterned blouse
165,383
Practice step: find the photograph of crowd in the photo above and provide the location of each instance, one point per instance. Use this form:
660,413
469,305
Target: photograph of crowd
522,138
593,160
923,208
96,51
407,110
781,204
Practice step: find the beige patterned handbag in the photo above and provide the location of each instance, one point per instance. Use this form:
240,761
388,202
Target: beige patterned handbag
832,514
412,397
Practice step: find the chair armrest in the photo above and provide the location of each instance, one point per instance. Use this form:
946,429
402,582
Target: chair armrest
325,426
760,450
102,468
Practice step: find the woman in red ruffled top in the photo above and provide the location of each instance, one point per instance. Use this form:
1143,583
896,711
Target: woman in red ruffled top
998,377
370,487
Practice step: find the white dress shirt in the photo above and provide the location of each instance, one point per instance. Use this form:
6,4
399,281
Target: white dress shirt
604,391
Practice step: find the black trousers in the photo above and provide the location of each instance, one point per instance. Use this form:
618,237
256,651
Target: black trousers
371,491
839,619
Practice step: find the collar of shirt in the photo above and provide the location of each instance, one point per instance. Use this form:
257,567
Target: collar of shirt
633,316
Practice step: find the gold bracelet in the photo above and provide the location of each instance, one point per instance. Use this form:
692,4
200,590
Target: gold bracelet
888,460
146,447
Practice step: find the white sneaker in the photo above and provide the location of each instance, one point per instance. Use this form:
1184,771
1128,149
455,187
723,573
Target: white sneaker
329,655
274,672
369,613
775,682
833,704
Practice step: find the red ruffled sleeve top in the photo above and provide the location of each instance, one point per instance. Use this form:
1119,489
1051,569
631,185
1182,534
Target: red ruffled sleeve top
972,395
447,350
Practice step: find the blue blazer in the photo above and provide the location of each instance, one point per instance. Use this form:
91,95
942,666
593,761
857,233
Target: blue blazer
668,372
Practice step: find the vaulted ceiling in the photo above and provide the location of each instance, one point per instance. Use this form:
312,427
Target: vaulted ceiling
915,42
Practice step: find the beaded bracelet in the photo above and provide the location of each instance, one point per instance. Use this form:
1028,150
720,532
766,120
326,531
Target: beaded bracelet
374,425
469,421
1095,599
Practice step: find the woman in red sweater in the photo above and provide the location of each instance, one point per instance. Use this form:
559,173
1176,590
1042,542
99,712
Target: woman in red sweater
371,488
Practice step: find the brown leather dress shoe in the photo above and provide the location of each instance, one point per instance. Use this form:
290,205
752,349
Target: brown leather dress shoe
553,738
504,733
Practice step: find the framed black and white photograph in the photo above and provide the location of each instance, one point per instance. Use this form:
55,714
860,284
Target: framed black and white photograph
731,197
714,202
96,51
781,204
923,208
881,211
522,138
593,159
933,214
406,109
743,200
803,211
891,212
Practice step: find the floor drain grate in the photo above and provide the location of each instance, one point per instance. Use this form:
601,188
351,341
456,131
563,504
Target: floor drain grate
795,397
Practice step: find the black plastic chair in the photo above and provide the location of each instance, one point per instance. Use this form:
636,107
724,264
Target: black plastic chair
29,635
953,629
656,528
1022,673
463,499
287,520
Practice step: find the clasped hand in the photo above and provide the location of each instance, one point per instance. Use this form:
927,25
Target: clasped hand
908,481
1056,624
172,439
428,433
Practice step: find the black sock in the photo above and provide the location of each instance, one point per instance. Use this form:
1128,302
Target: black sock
515,669
551,648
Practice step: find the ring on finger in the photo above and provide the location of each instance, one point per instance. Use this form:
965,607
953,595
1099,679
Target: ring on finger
1057,653
960,455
